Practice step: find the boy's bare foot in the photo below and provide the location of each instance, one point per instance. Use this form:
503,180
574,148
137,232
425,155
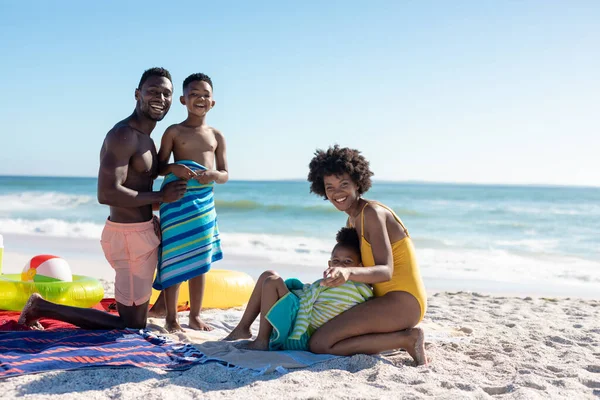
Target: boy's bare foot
253,345
29,315
238,333
417,351
197,324
173,326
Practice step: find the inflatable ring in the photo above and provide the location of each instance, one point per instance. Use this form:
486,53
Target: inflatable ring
82,292
222,289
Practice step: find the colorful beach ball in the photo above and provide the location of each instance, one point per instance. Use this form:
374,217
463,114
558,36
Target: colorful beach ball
47,268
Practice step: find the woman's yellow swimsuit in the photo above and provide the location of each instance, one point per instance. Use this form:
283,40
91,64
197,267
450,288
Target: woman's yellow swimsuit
406,276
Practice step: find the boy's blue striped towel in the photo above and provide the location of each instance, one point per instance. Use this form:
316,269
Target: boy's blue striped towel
190,235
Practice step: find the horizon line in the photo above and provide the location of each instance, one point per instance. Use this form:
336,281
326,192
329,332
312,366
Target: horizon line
409,181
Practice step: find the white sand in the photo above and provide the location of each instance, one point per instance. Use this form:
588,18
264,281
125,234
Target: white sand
479,347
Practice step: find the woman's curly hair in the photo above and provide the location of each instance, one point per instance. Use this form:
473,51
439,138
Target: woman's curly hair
335,161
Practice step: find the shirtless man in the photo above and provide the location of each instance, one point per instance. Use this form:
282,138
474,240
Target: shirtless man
130,239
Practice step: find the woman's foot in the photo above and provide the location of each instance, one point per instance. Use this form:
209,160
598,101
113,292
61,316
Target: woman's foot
238,333
29,316
257,344
417,349
197,324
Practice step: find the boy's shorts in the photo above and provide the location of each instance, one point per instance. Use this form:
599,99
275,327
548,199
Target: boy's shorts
132,250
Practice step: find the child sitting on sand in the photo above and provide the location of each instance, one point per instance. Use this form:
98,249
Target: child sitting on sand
290,311
190,235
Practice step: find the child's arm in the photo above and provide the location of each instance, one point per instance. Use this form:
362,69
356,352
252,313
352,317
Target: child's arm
220,174
166,147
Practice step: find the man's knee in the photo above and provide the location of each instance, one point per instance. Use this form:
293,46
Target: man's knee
135,323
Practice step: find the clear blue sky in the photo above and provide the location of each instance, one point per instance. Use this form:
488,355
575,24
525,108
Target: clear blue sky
453,91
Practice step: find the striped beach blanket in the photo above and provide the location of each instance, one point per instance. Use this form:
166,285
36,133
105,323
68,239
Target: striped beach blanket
190,235
68,349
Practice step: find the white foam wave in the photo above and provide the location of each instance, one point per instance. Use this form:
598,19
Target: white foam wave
279,248
504,266
51,227
42,200
448,262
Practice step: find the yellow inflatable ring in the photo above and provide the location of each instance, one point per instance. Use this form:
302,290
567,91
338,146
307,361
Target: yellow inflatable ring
82,292
222,289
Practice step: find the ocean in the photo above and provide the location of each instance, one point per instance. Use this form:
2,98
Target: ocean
507,234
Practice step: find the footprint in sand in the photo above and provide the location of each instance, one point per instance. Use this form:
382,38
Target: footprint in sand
591,384
497,390
561,340
534,385
593,368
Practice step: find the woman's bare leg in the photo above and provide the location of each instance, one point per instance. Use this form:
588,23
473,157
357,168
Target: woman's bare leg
380,324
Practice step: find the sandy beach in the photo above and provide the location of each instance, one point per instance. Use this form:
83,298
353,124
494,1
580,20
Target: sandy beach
479,346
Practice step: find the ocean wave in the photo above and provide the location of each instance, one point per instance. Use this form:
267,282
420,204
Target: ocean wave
325,208
439,259
51,227
43,200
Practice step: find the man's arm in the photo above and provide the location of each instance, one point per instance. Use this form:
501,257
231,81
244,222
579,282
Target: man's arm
164,154
120,145
166,147
221,158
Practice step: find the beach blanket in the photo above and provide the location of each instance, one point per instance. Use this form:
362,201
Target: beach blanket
190,235
261,362
67,349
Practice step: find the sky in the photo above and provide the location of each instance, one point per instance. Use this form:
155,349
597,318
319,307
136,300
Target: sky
462,91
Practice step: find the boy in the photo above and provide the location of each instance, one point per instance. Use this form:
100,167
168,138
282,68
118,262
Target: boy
190,236
291,312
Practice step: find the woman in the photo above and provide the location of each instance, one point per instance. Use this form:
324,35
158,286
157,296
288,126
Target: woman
342,176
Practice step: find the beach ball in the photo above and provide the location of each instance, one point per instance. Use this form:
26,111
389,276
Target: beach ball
47,268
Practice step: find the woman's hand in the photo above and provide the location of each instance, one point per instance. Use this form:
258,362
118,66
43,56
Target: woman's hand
335,276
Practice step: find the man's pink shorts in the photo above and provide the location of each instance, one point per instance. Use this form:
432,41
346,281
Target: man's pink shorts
132,250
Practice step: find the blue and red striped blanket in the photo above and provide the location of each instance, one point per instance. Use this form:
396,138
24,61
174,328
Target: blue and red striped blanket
32,352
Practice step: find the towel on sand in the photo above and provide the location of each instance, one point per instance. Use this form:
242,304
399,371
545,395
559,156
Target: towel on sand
68,349
190,235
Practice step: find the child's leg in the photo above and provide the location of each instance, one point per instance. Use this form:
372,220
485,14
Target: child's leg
171,296
158,309
273,289
242,330
196,295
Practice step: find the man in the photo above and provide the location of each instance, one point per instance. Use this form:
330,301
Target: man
130,239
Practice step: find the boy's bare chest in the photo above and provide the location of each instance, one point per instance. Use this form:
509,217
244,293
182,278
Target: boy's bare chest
197,142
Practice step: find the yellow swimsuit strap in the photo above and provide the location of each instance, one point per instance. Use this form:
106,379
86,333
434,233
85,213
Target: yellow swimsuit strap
362,218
